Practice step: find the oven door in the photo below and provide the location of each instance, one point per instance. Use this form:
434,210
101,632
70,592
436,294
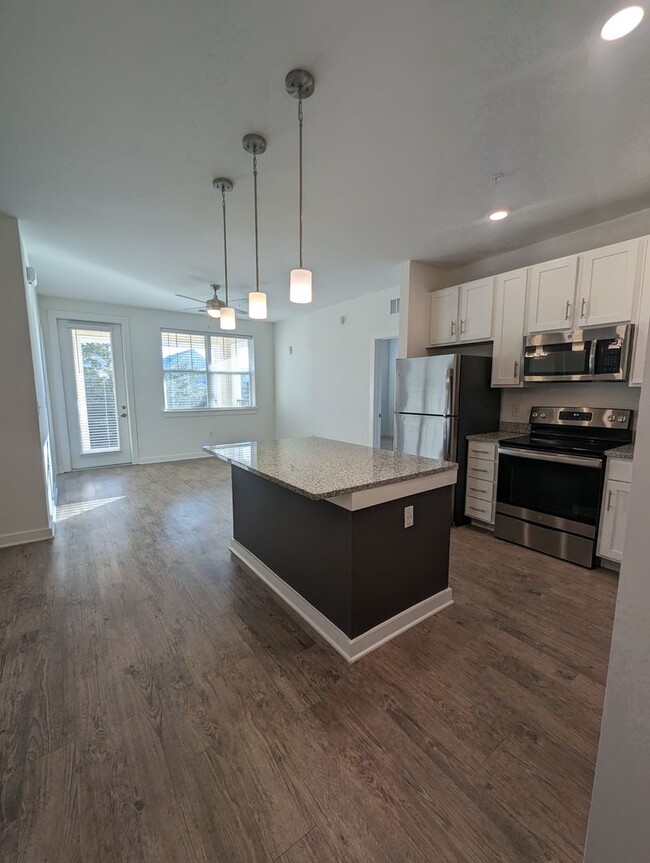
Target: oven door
551,489
564,360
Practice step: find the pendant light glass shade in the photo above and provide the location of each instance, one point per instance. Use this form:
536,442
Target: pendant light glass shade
257,305
300,85
300,286
227,318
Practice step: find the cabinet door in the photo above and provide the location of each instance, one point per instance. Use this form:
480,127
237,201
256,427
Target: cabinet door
510,310
607,285
642,323
476,310
443,323
552,295
614,520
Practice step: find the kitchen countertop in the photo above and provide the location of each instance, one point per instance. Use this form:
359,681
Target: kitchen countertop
507,430
626,452
319,468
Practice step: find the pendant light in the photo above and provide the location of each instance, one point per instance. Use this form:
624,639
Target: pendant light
227,317
300,84
256,144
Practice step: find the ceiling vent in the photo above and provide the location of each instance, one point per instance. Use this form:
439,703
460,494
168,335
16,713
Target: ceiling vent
394,306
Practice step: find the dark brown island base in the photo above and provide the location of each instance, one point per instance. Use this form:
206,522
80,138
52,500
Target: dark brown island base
323,523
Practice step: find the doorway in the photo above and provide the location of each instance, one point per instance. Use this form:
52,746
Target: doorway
94,384
385,365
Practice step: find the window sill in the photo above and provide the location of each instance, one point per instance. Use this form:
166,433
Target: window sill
210,412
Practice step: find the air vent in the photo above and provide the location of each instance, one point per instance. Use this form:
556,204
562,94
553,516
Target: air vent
394,306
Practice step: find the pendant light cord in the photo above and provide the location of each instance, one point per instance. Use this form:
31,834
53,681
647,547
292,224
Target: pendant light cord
300,172
257,257
225,245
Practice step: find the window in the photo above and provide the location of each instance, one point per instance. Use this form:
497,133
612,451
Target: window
205,372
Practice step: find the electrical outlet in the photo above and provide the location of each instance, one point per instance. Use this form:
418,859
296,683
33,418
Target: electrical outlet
408,516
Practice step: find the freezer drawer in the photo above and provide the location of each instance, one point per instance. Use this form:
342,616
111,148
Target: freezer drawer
428,436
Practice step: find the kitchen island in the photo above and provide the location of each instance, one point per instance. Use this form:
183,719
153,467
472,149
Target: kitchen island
323,524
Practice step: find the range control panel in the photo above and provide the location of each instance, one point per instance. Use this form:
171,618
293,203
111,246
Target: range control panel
619,418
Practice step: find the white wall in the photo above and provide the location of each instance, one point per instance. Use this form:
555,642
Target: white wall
418,280
516,403
23,508
325,385
157,436
618,821
615,231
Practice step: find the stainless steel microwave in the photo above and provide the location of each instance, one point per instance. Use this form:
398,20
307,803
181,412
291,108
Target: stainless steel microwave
599,354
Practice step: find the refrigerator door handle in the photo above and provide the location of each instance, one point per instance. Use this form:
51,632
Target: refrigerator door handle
449,392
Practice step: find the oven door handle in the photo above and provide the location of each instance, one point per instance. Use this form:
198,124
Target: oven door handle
559,458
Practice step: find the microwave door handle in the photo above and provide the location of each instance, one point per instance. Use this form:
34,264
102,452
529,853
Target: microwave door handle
592,357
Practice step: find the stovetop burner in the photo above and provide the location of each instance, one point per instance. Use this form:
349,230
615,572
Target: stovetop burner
561,444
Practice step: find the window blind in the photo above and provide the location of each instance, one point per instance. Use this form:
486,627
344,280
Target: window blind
94,373
206,372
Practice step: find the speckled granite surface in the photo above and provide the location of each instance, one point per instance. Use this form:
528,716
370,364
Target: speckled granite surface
626,452
319,468
506,430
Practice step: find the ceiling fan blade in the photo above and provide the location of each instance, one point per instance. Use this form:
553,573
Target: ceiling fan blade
237,304
185,297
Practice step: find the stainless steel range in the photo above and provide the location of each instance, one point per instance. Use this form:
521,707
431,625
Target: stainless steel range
550,482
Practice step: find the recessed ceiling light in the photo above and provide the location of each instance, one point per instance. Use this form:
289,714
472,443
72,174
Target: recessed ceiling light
622,23
497,215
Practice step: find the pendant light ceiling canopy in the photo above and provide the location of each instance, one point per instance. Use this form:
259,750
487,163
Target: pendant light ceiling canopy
299,84
227,318
257,307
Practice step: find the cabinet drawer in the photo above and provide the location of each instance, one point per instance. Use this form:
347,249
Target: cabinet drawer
480,469
480,488
481,510
482,450
619,469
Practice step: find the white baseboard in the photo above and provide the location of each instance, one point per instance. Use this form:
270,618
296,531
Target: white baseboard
180,457
351,649
25,536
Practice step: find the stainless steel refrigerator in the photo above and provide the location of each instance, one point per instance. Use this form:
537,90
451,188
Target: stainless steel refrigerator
438,402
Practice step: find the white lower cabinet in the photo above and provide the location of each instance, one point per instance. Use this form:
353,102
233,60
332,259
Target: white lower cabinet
481,487
613,518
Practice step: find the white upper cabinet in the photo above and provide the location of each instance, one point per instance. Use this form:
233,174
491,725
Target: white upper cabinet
607,285
443,321
475,310
552,295
643,322
509,322
462,313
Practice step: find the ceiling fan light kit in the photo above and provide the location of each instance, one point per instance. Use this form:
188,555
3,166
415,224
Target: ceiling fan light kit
300,84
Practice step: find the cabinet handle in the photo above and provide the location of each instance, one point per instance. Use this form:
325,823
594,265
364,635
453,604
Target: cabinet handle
471,488
462,326
475,509
582,307
480,469
453,328
568,309
516,372
609,499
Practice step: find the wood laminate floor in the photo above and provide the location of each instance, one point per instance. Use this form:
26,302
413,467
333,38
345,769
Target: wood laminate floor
159,704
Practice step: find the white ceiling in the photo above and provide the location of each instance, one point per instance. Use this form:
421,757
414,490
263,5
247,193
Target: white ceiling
116,117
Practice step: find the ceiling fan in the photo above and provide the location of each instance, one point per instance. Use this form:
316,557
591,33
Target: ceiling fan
214,304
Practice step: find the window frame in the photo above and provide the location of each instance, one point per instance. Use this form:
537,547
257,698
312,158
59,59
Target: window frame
207,336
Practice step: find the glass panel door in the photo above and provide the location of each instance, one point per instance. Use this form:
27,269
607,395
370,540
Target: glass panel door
95,393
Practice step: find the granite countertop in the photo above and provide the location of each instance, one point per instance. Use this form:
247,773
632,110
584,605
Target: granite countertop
506,430
626,452
320,468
